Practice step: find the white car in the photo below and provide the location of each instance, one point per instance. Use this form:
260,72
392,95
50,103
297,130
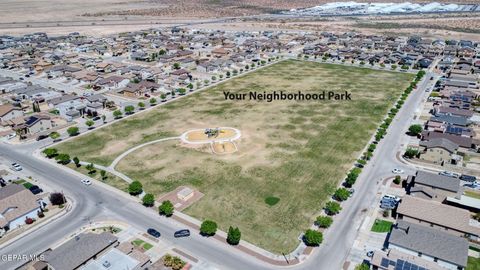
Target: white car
86,182
11,136
16,167
397,171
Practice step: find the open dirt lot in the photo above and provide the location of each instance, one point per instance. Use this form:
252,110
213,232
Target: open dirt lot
296,151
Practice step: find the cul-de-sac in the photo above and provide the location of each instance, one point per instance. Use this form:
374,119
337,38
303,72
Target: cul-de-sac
250,134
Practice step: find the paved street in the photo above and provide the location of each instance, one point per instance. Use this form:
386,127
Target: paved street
97,202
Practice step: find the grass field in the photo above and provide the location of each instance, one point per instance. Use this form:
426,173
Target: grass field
381,226
473,263
294,151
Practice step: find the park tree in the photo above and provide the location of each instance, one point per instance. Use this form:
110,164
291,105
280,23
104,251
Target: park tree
141,105
324,221
54,135
117,114
190,86
50,152
341,194
181,91
76,161
208,228
153,101
103,174
166,208
91,168
73,131
234,235
415,130
63,159
135,188
163,96
129,109
89,123
332,208
148,199
312,237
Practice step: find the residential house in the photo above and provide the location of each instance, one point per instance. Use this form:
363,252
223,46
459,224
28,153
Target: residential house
9,112
16,205
439,151
34,124
395,259
432,186
448,251
436,215
77,251
68,106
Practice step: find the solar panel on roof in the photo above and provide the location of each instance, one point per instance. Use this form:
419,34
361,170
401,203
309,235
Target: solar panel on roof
406,266
399,265
414,267
384,262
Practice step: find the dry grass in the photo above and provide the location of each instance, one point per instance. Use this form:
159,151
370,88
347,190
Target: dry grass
295,151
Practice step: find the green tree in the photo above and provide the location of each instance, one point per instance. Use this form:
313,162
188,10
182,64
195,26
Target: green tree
312,237
153,101
103,174
208,228
176,65
228,74
190,86
411,152
324,221
89,123
332,208
163,96
397,180
117,114
72,131
415,130
76,161
50,152
129,109
148,199
166,208
394,66
362,266
63,159
135,188
91,168
234,235
54,135
341,194
141,105
104,117
181,91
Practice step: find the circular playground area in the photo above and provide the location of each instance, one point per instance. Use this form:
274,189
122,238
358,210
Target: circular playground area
221,139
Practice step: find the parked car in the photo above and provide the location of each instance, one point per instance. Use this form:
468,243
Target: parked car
96,118
42,137
468,178
474,185
35,189
351,192
370,253
16,167
11,136
391,197
2,182
397,171
449,174
86,182
153,233
182,233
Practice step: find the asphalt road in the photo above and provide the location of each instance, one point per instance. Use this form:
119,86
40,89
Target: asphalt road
97,202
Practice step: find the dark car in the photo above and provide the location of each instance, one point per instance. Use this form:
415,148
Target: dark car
153,233
42,137
182,233
468,178
96,118
35,189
